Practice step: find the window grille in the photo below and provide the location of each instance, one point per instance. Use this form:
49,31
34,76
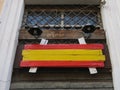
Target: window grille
61,17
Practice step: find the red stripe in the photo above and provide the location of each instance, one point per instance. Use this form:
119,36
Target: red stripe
60,64
64,46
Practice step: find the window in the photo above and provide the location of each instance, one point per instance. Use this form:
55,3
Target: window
64,17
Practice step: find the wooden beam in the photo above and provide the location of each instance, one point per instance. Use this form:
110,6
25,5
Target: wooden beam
61,2
62,34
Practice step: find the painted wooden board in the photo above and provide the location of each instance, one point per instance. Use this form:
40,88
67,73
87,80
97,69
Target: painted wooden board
63,55
62,51
64,46
60,64
64,58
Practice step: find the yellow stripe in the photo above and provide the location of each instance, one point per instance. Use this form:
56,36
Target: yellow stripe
62,51
64,57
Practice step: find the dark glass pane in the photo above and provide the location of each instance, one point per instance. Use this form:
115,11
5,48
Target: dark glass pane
43,18
80,18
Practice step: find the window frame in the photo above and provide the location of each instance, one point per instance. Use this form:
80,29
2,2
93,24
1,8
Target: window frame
61,9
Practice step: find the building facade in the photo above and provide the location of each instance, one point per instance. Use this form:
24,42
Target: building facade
11,15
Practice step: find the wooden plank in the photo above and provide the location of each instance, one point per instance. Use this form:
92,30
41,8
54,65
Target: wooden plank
64,46
61,74
61,85
62,51
62,34
107,57
64,89
47,7
64,58
60,64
